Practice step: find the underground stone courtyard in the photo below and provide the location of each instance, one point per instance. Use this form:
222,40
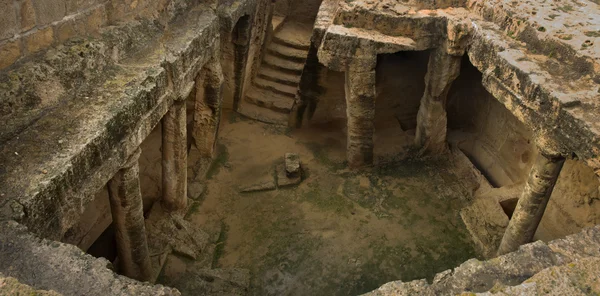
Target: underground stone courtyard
299,147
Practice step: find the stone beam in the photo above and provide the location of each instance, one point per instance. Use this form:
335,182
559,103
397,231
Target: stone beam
174,157
532,203
360,110
128,219
432,120
207,110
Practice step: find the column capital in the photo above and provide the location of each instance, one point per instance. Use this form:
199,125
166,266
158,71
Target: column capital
548,147
132,160
457,34
362,63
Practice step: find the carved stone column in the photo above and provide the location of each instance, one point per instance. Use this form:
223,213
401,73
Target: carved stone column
127,210
442,70
241,42
432,120
360,110
532,203
207,110
309,90
174,158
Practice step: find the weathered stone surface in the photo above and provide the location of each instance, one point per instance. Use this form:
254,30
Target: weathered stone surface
27,15
65,31
534,268
127,209
120,105
10,52
284,180
171,233
486,222
261,186
577,278
432,121
49,265
8,19
78,5
292,165
532,203
226,282
195,190
10,286
48,11
207,114
174,158
38,40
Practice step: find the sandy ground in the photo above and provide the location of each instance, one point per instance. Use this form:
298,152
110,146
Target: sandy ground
339,232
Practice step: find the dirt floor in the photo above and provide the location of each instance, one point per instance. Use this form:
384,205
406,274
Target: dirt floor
339,232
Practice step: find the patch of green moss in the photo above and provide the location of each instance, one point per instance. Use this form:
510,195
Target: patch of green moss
326,200
220,244
319,152
592,33
194,208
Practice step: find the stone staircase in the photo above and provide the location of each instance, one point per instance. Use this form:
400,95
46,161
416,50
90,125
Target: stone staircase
271,96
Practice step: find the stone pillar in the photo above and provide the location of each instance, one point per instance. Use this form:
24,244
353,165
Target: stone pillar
360,110
532,203
309,89
127,210
432,120
174,158
241,43
207,110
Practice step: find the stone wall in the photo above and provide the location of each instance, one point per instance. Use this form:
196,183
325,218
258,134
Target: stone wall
495,140
502,148
30,26
259,18
53,266
303,10
332,103
400,85
574,204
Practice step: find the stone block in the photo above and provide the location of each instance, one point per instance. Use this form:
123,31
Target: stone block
261,186
47,11
283,180
292,165
39,40
92,20
65,31
74,6
27,15
195,190
8,19
9,51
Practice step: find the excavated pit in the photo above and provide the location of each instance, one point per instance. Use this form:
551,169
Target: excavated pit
161,139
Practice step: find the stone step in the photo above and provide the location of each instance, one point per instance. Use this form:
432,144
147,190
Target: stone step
283,65
277,22
288,53
262,114
291,43
276,87
279,76
266,99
